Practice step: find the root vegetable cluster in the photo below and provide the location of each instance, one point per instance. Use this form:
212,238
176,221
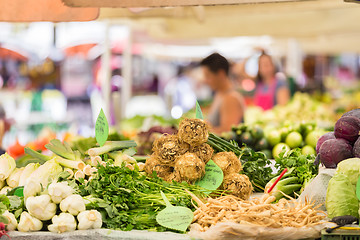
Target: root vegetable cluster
181,157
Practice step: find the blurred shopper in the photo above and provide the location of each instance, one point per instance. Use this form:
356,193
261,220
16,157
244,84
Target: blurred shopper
228,106
270,89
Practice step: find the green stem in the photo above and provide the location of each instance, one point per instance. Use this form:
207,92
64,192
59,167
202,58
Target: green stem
215,146
167,202
111,146
37,155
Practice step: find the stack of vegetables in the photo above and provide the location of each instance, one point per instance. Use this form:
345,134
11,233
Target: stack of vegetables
343,143
271,140
301,108
130,200
341,198
183,156
81,186
261,212
263,172
42,167
341,150
116,188
57,203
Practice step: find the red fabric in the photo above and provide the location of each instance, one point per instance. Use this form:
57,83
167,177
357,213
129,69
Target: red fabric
265,99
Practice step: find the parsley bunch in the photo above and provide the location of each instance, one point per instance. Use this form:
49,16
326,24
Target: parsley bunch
304,167
257,167
130,200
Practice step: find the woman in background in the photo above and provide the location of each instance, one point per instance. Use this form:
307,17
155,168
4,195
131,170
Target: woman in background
270,90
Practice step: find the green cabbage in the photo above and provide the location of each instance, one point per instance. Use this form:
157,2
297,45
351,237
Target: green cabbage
341,197
350,168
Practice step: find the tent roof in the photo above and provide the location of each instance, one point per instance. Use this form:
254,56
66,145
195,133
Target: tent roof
43,10
319,26
159,3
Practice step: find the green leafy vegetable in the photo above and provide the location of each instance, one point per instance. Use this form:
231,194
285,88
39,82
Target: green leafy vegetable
129,200
257,167
350,168
304,168
341,197
13,204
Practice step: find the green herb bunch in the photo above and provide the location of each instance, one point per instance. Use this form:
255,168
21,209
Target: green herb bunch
130,200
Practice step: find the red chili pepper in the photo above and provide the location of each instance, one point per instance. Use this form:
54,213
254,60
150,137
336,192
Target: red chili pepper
277,180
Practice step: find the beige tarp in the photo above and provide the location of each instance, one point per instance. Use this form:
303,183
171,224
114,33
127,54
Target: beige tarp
159,3
320,26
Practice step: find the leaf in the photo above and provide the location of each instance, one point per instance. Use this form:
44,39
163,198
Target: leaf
4,200
63,176
213,177
18,212
61,149
199,114
177,218
15,202
4,219
101,128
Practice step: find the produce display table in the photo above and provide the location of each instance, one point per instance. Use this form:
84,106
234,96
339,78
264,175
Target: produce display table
103,234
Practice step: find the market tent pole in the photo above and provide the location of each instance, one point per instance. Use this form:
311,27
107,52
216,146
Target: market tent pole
106,72
293,58
126,88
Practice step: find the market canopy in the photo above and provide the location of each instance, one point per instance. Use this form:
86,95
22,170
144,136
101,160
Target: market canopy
322,25
159,3
43,10
9,53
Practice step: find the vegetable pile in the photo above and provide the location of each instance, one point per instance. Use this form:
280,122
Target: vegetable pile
343,143
256,212
83,186
61,205
341,192
54,208
271,140
130,200
182,157
255,165
301,170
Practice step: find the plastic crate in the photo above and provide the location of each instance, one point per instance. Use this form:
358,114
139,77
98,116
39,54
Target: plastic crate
341,234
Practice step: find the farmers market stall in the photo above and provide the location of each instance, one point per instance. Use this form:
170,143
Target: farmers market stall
289,174
193,180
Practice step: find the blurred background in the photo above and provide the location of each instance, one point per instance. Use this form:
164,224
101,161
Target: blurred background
141,65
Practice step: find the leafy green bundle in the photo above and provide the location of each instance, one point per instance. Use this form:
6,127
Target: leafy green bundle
13,204
257,167
129,200
304,168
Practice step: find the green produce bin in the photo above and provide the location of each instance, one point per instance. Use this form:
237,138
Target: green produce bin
341,234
